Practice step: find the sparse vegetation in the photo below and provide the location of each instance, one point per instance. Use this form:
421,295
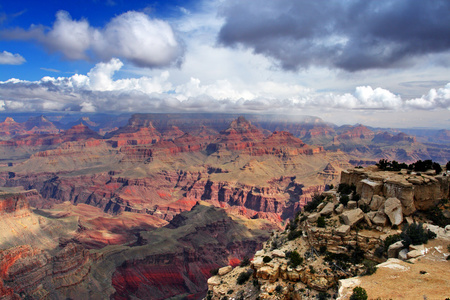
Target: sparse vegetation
369,267
244,276
294,234
418,166
312,205
437,217
295,259
359,294
415,234
278,288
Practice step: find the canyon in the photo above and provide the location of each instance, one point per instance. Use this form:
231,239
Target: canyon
151,206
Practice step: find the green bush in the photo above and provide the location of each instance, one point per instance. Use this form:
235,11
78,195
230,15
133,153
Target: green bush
359,294
295,259
369,267
244,276
278,288
415,234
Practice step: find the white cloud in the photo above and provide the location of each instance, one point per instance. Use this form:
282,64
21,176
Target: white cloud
439,98
141,40
7,58
99,91
133,36
68,36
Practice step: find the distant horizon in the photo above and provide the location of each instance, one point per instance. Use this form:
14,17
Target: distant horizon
23,116
381,63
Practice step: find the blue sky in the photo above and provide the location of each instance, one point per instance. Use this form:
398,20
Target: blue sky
380,63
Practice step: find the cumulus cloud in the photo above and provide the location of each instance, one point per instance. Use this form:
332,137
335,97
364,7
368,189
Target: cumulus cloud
350,35
99,91
133,36
7,58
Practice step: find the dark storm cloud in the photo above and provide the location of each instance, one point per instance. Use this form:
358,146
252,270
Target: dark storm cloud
351,35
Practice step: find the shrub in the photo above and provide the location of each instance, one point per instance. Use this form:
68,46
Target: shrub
358,294
312,205
295,259
321,222
437,217
323,249
278,288
294,234
244,276
267,259
245,262
230,292
415,234
345,189
447,166
369,267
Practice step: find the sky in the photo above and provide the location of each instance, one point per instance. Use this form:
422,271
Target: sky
383,63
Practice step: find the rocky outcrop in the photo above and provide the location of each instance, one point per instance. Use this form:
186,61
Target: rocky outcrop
415,191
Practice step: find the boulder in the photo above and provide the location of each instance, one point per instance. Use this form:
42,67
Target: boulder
257,262
278,253
352,204
327,210
269,273
377,202
293,276
313,217
371,215
403,254
339,209
370,188
414,254
380,219
225,270
405,192
214,281
343,230
367,220
393,209
395,249
353,216
320,206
